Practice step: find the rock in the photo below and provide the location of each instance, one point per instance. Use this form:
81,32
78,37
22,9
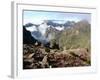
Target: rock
44,59
31,55
29,60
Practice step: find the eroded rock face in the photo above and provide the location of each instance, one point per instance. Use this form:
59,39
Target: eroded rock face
36,57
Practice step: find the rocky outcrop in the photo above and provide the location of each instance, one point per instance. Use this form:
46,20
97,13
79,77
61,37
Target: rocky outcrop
36,57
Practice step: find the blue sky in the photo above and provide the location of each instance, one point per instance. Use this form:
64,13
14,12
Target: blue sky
37,17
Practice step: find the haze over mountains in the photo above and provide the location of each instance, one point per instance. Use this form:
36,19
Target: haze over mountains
50,30
43,31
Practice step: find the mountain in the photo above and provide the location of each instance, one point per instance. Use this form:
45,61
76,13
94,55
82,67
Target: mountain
69,24
67,35
48,28
51,23
37,31
30,24
27,37
52,33
38,36
78,36
60,23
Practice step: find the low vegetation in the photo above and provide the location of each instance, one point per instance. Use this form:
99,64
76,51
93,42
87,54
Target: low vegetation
68,48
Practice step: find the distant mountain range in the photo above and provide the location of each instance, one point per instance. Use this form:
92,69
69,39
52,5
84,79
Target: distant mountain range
43,31
62,33
55,24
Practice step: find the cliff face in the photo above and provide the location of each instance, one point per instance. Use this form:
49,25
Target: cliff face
27,38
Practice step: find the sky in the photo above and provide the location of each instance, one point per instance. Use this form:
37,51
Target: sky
37,17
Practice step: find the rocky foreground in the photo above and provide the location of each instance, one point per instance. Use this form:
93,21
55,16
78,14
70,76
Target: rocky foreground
36,57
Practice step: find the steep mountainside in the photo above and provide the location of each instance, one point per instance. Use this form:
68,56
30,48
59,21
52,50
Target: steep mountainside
76,37
27,37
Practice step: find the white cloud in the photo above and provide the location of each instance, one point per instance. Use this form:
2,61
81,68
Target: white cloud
59,28
32,28
42,28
